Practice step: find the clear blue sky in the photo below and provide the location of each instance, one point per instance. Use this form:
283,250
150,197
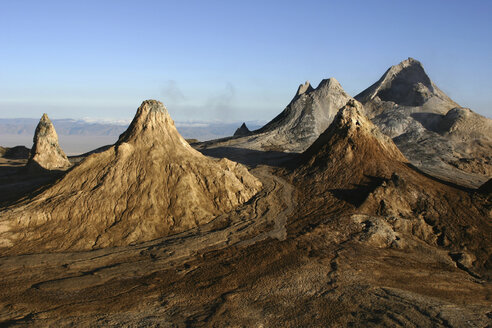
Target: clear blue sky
229,60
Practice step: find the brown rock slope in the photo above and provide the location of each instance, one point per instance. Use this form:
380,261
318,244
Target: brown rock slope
151,183
46,153
354,162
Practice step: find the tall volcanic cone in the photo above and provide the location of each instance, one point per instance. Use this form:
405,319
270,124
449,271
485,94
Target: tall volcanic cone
406,84
434,132
306,117
151,183
46,152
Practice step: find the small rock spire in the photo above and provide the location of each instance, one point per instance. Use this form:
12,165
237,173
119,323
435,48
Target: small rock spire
46,153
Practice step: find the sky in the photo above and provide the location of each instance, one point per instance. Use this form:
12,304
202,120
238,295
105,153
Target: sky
229,60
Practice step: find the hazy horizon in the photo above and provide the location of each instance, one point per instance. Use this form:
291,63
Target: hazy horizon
228,61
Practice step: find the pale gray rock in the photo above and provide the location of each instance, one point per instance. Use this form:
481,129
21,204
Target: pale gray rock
433,132
308,114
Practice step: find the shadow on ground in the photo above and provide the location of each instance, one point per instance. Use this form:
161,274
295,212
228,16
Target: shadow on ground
249,157
17,183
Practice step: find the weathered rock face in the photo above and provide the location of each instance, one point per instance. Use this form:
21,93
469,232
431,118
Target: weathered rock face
434,133
151,183
299,124
242,130
465,124
46,152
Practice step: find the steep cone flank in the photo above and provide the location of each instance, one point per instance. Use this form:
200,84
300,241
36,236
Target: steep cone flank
308,114
150,184
46,152
351,143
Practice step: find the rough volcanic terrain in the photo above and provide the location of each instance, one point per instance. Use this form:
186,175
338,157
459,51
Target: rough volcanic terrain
347,234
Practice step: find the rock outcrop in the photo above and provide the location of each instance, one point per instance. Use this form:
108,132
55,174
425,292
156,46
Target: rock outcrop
242,130
46,153
434,132
151,183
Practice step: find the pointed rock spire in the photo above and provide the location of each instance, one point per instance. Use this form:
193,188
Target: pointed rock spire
304,88
46,153
242,130
152,125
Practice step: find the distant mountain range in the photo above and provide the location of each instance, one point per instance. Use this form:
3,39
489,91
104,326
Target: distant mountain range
78,136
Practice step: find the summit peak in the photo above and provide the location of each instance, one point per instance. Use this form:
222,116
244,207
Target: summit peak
303,88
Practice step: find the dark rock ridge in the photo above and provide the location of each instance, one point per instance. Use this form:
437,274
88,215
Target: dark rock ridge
242,130
486,188
17,152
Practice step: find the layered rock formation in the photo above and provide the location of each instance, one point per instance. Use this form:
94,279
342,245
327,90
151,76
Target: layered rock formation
433,131
308,114
46,153
151,183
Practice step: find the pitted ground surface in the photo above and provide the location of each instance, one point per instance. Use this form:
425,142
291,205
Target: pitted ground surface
269,263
